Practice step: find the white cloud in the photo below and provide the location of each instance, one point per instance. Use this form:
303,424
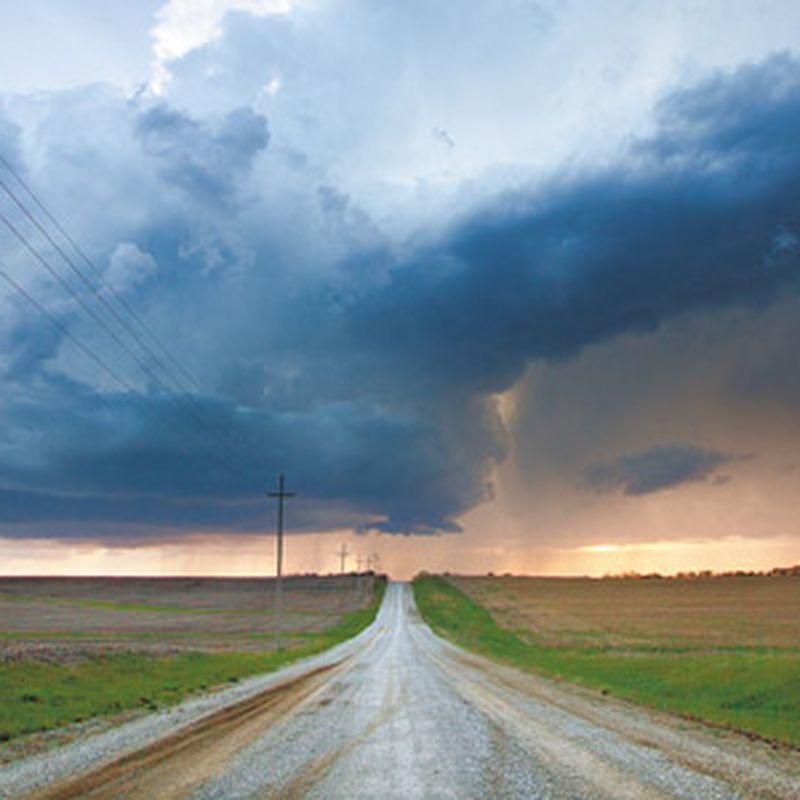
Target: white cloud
183,25
128,266
272,86
366,89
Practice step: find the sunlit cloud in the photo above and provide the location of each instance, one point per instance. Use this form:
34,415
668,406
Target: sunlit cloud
183,25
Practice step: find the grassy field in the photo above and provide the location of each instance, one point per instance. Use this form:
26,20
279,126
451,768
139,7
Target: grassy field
724,650
74,649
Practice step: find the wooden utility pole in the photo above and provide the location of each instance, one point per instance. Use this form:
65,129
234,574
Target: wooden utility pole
343,553
281,494
359,576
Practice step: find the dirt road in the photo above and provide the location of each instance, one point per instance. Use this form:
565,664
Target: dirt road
399,713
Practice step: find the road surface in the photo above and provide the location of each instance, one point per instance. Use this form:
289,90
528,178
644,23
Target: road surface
399,713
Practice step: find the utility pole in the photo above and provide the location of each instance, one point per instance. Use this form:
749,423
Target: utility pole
359,567
343,557
281,494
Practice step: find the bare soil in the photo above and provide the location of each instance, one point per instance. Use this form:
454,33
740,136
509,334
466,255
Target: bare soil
63,619
757,611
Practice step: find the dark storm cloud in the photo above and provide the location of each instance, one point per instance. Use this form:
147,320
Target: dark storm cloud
366,375
659,467
112,460
31,346
749,113
702,216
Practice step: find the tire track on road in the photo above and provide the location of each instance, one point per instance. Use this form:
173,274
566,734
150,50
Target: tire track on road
173,766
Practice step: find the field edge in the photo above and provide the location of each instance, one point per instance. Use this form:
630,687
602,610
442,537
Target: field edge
37,698
664,683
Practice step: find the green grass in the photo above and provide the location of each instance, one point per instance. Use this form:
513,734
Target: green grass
751,689
37,695
12,597
139,608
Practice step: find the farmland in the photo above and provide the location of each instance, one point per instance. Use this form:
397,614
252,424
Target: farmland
399,712
724,650
75,648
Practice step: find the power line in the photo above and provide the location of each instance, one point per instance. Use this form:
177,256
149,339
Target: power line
101,362
100,321
186,403
98,273
97,292
64,330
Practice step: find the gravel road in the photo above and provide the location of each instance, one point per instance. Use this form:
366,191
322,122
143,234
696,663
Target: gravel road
399,713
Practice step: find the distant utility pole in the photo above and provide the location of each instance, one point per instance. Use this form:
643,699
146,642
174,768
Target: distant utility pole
281,494
359,566
343,557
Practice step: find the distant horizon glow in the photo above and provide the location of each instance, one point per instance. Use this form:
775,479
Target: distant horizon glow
252,556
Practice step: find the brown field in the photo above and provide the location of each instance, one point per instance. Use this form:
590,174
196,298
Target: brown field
66,618
756,611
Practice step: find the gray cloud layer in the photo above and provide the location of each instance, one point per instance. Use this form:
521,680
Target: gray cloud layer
659,467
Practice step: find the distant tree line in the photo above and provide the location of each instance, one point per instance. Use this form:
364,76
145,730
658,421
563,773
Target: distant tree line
775,572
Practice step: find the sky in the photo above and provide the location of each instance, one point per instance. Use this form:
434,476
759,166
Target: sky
508,286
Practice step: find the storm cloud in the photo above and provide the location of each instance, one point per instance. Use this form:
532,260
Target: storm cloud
700,216
359,356
659,467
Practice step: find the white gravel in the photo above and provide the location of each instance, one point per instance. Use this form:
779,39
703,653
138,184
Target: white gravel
408,719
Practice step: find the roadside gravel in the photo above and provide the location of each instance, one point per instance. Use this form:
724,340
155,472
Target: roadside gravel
21,777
